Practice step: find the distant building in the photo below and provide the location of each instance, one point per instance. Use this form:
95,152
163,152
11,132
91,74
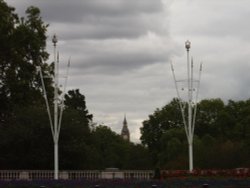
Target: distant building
125,132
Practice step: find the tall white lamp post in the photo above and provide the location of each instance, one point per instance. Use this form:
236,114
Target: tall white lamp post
58,105
56,100
191,103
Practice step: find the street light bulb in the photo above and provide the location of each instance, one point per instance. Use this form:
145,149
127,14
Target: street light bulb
54,40
188,45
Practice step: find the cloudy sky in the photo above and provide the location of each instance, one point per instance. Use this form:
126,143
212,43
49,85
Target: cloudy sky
121,51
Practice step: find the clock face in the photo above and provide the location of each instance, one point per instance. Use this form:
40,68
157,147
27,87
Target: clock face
125,136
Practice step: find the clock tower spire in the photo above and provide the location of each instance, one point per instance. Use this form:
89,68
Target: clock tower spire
125,132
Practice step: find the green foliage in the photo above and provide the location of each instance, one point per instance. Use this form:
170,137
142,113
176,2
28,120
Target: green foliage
27,140
23,118
221,135
158,123
75,101
75,131
110,150
23,42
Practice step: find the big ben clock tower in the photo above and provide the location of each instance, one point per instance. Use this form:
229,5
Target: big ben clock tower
125,132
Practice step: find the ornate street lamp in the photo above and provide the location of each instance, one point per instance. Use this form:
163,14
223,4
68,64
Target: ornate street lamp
192,88
58,105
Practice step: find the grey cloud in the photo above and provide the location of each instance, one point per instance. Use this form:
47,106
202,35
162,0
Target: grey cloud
101,19
119,62
121,56
103,30
76,10
216,19
129,27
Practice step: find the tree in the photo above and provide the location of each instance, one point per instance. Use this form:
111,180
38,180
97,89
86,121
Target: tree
75,135
74,100
111,148
7,21
221,130
29,42
26,143
207,117
22,120
158,123
173,148
138,157
239,113
23,49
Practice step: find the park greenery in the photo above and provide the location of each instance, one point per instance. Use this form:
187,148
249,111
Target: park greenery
222,133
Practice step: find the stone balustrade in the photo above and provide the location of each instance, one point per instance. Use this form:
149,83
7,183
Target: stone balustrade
76,174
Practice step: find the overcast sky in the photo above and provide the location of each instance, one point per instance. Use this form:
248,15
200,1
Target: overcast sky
121,51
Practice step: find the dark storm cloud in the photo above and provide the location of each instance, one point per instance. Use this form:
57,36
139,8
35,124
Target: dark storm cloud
100,19
115,64
119,56
111,28
109,36
78,10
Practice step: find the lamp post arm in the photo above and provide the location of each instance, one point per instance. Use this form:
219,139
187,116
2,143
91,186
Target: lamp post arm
63,99
46,101
179,99
196,98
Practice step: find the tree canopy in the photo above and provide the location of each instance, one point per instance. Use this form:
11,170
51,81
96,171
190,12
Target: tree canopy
221,135
23,42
